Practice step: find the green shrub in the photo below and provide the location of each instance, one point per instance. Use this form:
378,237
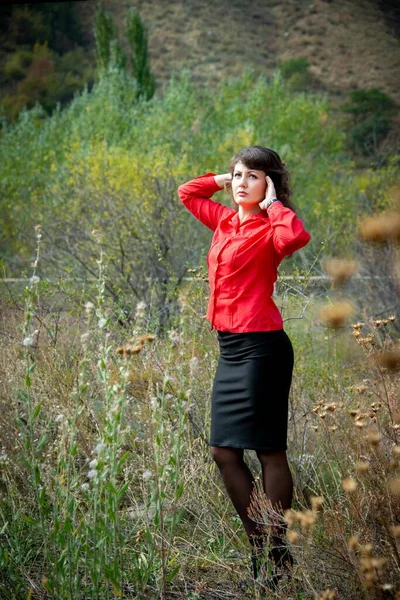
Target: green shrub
16,64
295,72
370,113
49,79
294,66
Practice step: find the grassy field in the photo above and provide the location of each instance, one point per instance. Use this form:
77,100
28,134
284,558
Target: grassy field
106,475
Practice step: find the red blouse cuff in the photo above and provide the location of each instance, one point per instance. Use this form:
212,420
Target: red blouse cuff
274,206
209,181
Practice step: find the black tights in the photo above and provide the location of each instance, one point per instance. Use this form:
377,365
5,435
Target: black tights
239,483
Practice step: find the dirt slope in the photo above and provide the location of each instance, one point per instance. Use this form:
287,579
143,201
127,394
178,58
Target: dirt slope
349,43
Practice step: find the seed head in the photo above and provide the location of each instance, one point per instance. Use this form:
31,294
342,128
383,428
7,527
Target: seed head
335,315
381,323
390,359
140,309
147,337
100,448
366,549
32,339
394,485
316,502
340,269
353,543
396,531
381,228
379,562
89,307
292,536
362,467
373,438
306,518
128,349
349,485
328,595
290,517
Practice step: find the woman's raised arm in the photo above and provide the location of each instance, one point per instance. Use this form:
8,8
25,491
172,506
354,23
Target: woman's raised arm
196,196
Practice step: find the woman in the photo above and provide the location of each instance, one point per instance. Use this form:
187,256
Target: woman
253,377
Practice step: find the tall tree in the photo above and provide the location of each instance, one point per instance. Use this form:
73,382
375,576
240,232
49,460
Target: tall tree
138,40
108,49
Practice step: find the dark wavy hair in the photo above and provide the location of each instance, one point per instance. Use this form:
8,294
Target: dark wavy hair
269,161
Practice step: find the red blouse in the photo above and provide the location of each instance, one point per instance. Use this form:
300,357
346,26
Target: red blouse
243,258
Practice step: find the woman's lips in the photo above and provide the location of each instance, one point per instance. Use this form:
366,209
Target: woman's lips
242,193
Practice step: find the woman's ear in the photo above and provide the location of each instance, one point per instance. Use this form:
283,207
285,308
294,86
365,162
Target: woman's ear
228,186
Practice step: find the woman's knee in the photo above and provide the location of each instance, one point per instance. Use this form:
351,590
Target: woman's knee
224,456
271,459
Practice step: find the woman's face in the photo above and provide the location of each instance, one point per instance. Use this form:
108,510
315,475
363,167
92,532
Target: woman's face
248,185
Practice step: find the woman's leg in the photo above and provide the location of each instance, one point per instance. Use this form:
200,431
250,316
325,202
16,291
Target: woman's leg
278,487
239,483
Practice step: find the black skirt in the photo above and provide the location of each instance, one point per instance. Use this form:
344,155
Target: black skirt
249,404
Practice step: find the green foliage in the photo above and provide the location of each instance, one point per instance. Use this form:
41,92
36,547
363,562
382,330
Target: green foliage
364,103
111,163
108,50
42,62
48,78
138,39
294,66
111,56
295,72
17,63
370,114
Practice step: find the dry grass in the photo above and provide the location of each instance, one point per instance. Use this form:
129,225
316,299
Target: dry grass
148,399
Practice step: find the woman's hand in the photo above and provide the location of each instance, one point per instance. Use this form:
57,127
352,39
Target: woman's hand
222,180
270,193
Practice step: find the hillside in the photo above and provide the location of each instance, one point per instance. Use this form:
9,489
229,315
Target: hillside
349,43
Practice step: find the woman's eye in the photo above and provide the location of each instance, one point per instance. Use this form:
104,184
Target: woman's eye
237,175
